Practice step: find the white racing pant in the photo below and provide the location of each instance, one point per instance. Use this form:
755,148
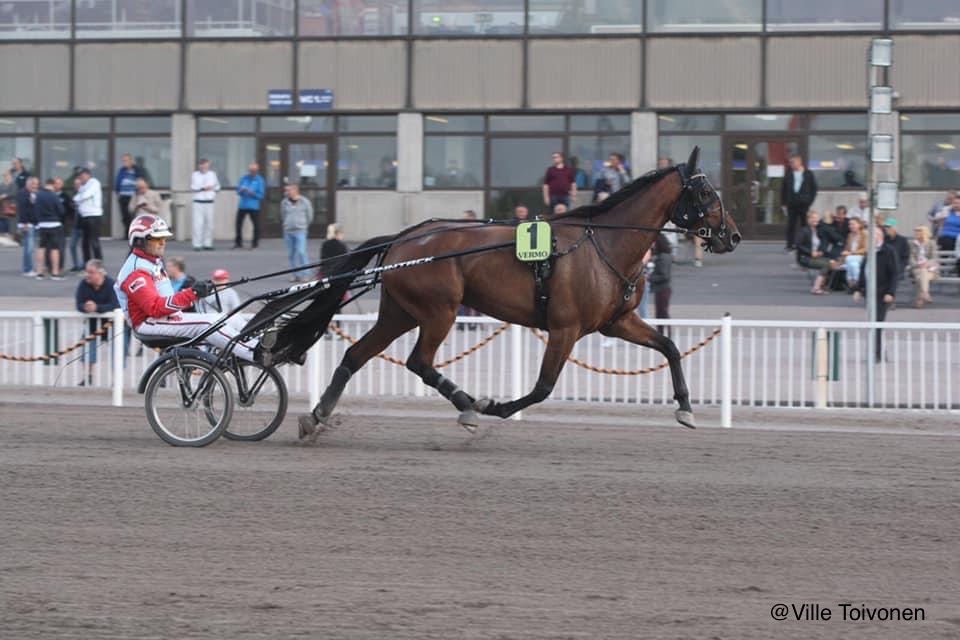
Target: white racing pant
202,224
190,325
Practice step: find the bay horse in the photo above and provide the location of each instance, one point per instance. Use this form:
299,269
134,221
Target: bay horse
597,281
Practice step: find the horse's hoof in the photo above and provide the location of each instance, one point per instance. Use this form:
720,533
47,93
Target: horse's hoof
686,418
307,426
481,405
469,420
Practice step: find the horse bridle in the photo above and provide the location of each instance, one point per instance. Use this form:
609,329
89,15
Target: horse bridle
690,211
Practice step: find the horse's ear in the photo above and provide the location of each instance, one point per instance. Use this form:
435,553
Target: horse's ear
694,157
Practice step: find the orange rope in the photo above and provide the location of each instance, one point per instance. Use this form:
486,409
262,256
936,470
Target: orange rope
56,354
446,363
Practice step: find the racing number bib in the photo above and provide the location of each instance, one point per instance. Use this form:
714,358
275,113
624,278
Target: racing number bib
533,241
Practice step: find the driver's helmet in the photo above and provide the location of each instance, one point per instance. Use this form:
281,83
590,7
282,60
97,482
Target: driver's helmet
146,226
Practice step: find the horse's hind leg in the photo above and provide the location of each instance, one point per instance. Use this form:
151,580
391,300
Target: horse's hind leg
420,362
632,329
392,323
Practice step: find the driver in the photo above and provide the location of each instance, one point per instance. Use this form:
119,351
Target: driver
150,304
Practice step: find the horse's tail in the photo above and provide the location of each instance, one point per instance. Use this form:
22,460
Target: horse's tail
301,332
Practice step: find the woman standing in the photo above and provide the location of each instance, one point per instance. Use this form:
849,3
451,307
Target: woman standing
660,279
923,264
332,248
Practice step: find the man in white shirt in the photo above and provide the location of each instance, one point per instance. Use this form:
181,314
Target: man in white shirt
862,210
204,184
89,201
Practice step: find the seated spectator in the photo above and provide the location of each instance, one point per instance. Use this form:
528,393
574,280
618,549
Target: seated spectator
815,243
841,223
521,213
899,244
95,294
559,208
862,211
948,225
223,300
923,264
854,251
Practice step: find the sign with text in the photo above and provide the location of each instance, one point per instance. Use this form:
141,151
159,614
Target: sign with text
316,99
280,99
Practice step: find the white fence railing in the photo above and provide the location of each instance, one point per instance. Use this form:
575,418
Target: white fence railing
750,363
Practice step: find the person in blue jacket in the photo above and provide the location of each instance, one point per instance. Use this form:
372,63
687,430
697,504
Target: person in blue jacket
125,186
250,189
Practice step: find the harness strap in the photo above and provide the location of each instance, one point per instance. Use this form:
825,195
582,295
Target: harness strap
629,286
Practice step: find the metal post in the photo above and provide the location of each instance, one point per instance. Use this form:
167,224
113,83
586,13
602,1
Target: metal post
516,365
39,349
871,259
822,368
726,376
313,373
116,348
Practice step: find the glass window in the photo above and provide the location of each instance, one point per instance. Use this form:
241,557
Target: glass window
74,125
790,15
229,156
838,160
11,148
445,123
226,124
313,124
452,161
684,122
838,122
15,125
526,123
601,16
467,17
696,15
521,162
61,158
764,122
503,201
588,154
239,18
353,18
373,124
148,124
152,155
367,161
930,122
929,14
128,19
29,19
600,123
679,147
930,161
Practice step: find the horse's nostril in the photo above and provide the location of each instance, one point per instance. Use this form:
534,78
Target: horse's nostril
735,239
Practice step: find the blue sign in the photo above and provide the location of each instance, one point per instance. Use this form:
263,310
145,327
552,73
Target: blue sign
280,99
316,99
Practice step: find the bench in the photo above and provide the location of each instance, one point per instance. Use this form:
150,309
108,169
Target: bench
948,268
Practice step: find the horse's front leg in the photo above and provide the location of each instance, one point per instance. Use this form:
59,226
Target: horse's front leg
632,329
559,347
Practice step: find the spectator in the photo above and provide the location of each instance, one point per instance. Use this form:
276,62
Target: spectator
69,214
468,214
26,224
948,221
559,208
333,247
223,299
923,264
660,279
125,186
95,294
814,244
251,190
579,175
48,212
204,184
899,244
938,206
297,214
8,208
840,222
89,198
854,251
850,179
521,213
613,177
177,272
797,193
664,162
19,172
887,270
145,200
559,183
862,211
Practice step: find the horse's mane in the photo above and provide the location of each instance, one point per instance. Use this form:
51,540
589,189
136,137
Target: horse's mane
627,192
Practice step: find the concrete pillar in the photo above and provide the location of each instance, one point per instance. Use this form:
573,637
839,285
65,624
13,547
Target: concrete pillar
643,142
410,152
183,160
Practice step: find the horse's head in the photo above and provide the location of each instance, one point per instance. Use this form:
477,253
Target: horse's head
700,209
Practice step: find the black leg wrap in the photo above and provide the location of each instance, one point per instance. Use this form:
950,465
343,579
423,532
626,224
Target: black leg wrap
447,387
462,400
341,376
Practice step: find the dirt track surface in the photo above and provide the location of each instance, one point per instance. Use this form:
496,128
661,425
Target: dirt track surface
396,527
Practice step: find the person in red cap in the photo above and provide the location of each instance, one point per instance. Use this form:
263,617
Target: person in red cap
228,298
